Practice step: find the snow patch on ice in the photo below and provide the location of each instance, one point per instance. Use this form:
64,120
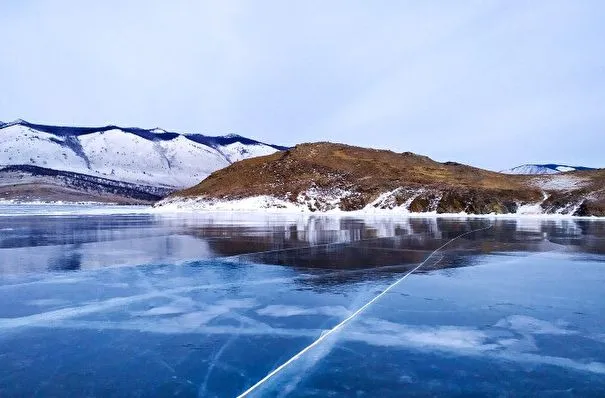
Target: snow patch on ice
527,324
283,311
47,302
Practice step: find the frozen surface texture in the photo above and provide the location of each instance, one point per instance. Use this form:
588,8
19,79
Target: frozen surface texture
207,305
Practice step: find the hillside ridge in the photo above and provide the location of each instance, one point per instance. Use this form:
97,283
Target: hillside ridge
326,176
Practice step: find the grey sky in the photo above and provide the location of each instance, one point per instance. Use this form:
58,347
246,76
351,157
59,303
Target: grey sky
490,83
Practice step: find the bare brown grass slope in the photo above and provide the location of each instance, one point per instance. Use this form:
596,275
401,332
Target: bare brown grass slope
363,174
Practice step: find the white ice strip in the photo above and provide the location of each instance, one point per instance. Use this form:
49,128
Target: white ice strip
72,312
49,318
460,340
160,326
284,311
352,316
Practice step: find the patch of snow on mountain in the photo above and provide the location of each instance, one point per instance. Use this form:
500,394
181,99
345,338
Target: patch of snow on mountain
321,199
237,151
537,169
388,200
559,183
385,200
254,203
309,201
530,209
530,169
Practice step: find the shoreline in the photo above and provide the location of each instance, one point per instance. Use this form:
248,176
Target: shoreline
102,209
268,204
97,208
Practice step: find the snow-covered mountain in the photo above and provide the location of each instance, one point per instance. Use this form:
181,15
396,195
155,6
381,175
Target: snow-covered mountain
151,157
543,169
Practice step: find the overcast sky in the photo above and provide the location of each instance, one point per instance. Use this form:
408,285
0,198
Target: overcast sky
490,83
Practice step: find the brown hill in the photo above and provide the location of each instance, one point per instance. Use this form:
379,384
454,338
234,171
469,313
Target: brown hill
323,176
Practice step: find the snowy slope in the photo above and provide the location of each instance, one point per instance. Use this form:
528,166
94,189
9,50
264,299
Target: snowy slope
237,151
153,157
22,145
543,169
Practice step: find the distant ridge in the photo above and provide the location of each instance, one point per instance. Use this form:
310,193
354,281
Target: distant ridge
149,134
143,157
551,168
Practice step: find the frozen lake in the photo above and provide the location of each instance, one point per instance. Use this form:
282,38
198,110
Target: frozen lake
207,305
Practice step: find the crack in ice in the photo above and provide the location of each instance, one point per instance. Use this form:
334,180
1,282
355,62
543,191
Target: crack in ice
343,323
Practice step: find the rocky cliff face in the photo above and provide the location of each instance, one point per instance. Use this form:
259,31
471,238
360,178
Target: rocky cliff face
326,176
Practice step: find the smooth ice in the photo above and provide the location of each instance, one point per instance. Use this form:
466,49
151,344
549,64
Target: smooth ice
208,305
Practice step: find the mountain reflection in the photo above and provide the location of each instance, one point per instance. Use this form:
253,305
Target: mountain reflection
301,241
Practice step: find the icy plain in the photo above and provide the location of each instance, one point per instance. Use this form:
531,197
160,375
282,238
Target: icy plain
121,302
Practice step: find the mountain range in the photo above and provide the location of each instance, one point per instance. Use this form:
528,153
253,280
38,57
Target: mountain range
111,163
131,165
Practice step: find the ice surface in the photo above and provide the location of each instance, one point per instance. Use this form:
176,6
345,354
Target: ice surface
209,304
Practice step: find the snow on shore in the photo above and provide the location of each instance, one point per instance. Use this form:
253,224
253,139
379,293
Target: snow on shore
269,204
